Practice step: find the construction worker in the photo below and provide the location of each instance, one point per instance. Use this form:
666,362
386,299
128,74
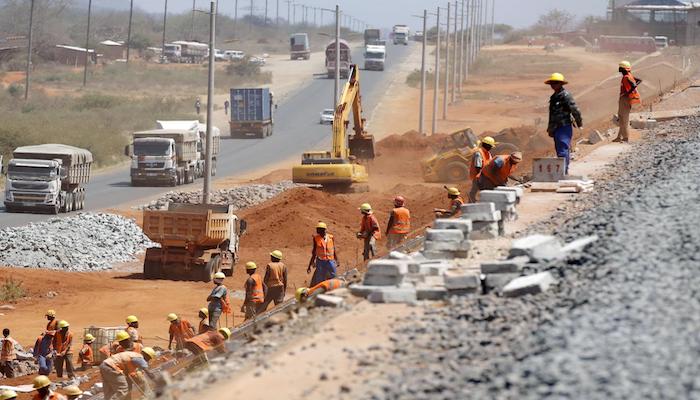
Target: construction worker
73,392
62,344
498,170
121,344
180,330
132,328
8,394
207,341
324,255
120,369
456,203
629,96
399,224
43,353
198,105
275,280
85,354
203,321
303,294
42,385
52,325
226,106
218,300
481,157
562,108
7,354
369,231
254,291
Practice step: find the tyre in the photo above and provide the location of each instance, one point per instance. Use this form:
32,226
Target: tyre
207,273
455,172
151,270
56,209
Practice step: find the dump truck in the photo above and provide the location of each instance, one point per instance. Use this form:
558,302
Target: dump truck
451,162
371,36
400,34
196,241
299,46
47,177
186,52
251,113
164,156
345,59
201,141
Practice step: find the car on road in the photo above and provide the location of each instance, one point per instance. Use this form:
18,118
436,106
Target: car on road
257,61
219,55
233,55
327,116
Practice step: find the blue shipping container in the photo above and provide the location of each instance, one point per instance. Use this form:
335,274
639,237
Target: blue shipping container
250,104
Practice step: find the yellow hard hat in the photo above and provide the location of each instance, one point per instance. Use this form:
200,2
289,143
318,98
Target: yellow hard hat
63,324
250,265
122,335
277,254
204,311
171,317
300,292
226,332
488,140
321,225
219,275
366,207
51,313
625,65
41,381
72,390
453,191
89,338
131,319
556,77
149,352
8,394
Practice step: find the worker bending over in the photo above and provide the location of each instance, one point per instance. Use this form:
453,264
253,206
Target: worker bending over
399,224
203,321
303,294
369,231
43,352
85,354
481,157
179,331
275,280
7,354
119,369
42,385
324,255
562,108
208,341
456,203
254,291
499,170
62,344
218,300
629,96
132,328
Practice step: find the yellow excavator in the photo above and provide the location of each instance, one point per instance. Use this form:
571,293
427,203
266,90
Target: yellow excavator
339,168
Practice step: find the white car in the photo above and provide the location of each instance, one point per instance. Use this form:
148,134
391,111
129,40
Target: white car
233,55
257,60
219,55
327,116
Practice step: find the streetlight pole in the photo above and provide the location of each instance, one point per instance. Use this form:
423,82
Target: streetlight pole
87,43
29,51
436,83
446,89
421,112
461,49
336,87
454,59
210,105
165,19
128,34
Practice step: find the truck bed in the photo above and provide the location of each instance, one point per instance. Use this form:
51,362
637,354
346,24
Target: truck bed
185,225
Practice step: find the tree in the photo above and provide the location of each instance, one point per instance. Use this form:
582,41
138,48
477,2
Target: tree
555,21
502,29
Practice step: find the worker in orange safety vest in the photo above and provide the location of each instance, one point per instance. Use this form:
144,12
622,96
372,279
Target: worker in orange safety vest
254,291
7,354
119,370
85,354
42,385
208,341
203,321
179,331
481,157
63,344
629,96
52,325
324,255
369,231
121,344
499,170
456,203
275,280
132,328
399,224
302,294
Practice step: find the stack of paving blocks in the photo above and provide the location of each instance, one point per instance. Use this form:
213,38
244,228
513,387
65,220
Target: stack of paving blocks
384,282
448,239
503,200
486,220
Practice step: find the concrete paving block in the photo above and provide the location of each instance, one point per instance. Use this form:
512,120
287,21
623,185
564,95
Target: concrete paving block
519,191
437,280
462,224
532,284
484,231
325,300
397,255
428,292
435,269
444,254
382,280
443,235
365,290
387,267
458,280
579,245
494,196
595,137
505,266
394,295
537,247
498,281
472,213
478,208
430,245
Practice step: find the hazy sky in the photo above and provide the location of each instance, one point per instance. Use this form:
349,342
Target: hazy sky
385,13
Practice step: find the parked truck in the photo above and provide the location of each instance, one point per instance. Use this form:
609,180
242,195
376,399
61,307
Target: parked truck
375,56
371,36
400,34
196,241
47,177
201,141
164,156
251,113
299,46
345,59
186,52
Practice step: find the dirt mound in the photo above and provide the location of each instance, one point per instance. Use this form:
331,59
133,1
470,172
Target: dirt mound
411,140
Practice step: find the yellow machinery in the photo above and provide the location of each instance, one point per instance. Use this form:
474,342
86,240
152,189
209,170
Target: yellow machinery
339,168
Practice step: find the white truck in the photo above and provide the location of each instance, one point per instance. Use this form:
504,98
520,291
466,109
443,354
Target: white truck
47,177
375,56
164,156
400,34
186,52
201,141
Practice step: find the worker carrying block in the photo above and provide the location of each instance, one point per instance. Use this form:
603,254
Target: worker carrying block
209,341
324,255
456,203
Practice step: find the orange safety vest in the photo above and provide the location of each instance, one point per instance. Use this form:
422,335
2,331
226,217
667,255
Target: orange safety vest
257,294
123,362
181,330
205,342
485,158
275,274
401,221
326,286
325,249
52,326
625,85
499,176
458,202
86,354
369,222
7,353
52,396
62,343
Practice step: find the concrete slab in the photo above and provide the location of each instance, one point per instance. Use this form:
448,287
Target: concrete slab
394,295
444,254
497,196
387,267
443,235
537,247
579,245
382,280
457,280
431,245
498,281
477,213
513,265
434,293
325,300
462,224
365,290
484,231
532,284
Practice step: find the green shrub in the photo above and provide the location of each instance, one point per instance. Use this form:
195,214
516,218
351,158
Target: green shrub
93,101
15,90
11,290
243,68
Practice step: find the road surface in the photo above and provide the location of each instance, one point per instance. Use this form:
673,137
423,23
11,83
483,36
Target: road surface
297,129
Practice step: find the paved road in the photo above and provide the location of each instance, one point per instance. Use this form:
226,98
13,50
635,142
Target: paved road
296,130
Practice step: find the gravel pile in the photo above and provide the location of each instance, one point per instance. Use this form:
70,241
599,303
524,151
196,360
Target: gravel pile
85,242
622,322
239,197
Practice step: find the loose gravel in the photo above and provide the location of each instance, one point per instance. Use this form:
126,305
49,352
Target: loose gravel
85,242
621,324
239,197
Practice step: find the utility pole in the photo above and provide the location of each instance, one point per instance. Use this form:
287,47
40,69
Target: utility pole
128,34
252,9
467,49
493,21
421,111
336,87
436,73
294,13
29,51
194,6
315,9
454,59
277,18
165,19
210,104
235,17
446,89
460,70
473,34
289,7
87,44
265,23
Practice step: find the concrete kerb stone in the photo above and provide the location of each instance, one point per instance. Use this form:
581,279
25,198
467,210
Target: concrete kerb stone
532,284
512,265
485,230
579,245
444,254
397,255
428,292
497,196
429,267
497,281
480,212
387,267
519,191
443,235
394,295
462,281
382,280
462,224
463,246
325,300
537,248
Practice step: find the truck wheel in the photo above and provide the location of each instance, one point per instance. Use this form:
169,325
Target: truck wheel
56,209
213,167
455,172
209,270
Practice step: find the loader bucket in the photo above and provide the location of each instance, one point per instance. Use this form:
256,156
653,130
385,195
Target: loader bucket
362,147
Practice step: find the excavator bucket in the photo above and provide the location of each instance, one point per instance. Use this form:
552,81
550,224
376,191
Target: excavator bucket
361,147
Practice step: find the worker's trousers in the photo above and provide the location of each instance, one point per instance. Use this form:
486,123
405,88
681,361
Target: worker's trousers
7,369
473,191
114,383
274,293
623,112
251,309
562,144
45,365
214,315
68,360
393,240
370,247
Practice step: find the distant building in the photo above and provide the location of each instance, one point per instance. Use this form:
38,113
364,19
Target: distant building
72,55
111,50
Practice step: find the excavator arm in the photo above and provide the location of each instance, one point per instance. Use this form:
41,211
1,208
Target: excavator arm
360,144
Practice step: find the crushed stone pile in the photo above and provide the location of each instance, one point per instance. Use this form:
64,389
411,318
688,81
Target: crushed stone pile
239,197
85,242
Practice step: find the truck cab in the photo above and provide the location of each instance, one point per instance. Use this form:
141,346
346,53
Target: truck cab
154,158
34,184
299,46
375,56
